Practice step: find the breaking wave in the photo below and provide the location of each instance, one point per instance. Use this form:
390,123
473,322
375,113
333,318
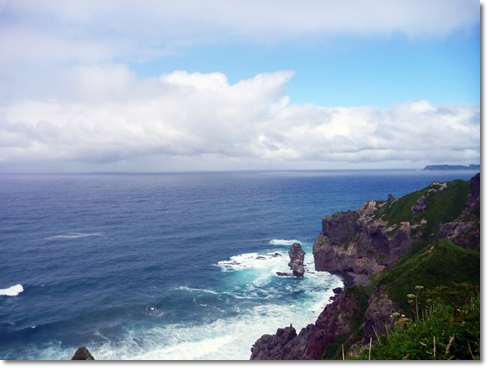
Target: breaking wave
252,261
283,242
12,291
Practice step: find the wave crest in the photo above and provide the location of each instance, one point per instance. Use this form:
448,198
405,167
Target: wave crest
72,236
12,291
283,242
251,260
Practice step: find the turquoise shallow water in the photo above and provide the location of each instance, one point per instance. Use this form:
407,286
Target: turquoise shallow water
170,266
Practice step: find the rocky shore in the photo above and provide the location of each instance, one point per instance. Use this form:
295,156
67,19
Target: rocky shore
359,244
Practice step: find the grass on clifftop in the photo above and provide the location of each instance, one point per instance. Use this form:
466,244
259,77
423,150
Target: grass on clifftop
436,291
438,263
443,205
441,331
434,287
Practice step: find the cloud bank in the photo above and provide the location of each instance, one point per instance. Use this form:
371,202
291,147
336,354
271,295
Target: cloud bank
191,121
101,31
71,99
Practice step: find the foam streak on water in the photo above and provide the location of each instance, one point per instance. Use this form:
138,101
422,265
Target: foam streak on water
271,305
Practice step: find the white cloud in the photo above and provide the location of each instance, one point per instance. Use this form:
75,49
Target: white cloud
102,31
117,118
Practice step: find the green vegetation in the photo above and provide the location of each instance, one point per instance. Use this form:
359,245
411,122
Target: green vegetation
436,264
443,331
443,205
452,167
434,287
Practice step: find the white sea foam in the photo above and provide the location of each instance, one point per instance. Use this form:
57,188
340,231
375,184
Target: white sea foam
283,242
268,302
186,288
228,338
72,236
12,291
253,261
225,338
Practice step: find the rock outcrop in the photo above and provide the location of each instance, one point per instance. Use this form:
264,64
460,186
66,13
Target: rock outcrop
465,230
280,346
297,257
355,245
359,244
82,354
335,321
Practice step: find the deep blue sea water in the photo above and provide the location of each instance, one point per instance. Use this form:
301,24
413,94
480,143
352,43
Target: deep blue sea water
168,266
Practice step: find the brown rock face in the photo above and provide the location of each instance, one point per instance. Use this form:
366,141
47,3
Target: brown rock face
465,230
378,315
419,206
297,256
355,246
334,321
282,346
341,228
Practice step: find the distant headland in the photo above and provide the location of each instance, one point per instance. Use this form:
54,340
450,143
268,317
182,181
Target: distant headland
452,167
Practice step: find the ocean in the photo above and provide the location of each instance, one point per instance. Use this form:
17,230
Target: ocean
177,266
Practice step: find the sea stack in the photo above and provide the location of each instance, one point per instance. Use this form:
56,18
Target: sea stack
297,256
82,354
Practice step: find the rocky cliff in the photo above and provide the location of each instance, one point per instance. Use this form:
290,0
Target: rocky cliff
365,243
355,245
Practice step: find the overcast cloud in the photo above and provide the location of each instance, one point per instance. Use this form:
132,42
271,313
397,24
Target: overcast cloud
69,95
46,31
115,116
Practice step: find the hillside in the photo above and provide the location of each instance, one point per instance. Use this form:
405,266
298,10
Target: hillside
403,258
452,167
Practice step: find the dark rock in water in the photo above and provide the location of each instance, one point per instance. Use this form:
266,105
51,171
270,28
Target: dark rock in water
82,354
282,273
297,256
337,290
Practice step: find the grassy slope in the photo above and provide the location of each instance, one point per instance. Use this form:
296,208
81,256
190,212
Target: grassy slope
442,206
431,263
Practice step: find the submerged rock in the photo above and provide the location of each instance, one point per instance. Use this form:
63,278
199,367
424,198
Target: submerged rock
283,274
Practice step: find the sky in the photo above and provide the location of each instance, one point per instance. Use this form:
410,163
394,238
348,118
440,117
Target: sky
158,86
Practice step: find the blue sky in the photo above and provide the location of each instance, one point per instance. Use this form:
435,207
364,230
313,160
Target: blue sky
350,71
235,85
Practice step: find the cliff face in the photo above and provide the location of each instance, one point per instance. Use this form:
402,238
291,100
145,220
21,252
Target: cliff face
358,244
334,322
361,243
355,245
465,230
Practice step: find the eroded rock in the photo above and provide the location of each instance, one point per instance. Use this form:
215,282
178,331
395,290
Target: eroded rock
297,257
82,354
